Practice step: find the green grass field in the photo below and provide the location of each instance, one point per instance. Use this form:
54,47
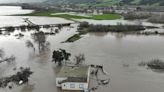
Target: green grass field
106,17
69,16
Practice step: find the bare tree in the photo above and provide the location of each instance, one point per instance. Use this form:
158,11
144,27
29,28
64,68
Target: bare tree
29,44
40,39
79,59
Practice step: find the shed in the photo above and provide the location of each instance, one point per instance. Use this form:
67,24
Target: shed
73,78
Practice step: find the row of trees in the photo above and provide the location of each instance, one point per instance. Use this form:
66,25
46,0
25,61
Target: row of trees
134,15
85,26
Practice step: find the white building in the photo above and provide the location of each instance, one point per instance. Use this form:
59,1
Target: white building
73,78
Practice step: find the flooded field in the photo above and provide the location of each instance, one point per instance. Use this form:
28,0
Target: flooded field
12,10
118,53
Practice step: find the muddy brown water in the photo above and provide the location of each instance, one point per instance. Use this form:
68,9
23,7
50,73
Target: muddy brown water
118,53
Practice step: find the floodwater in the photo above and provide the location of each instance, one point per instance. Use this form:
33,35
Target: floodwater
118,53
12,10
122,21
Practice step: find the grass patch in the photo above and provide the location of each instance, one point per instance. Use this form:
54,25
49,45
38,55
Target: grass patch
77,36
106,17
73,38
69,16
39,14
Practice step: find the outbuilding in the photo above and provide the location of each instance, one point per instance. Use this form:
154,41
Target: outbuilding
73,78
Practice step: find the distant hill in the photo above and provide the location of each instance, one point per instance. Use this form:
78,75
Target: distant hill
108,2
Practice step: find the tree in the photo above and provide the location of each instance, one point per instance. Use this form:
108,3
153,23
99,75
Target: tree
59,56
79,59
29,44
40,39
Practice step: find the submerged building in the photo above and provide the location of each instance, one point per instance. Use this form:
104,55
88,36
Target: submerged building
73,78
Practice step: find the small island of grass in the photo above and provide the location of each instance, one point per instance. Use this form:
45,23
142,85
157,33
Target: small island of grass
73,38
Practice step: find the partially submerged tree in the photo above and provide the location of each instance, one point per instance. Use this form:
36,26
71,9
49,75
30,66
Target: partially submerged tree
59,56
40,39
19,78
29,44
79,59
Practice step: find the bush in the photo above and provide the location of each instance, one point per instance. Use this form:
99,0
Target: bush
10,29
84,25
156,64
153,64
23,28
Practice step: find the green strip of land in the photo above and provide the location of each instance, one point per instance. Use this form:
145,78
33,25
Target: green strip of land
69,16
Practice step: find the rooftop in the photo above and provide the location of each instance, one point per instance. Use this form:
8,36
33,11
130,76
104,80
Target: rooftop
73,71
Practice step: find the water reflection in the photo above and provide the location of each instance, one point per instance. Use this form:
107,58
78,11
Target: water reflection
119,35
98,34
